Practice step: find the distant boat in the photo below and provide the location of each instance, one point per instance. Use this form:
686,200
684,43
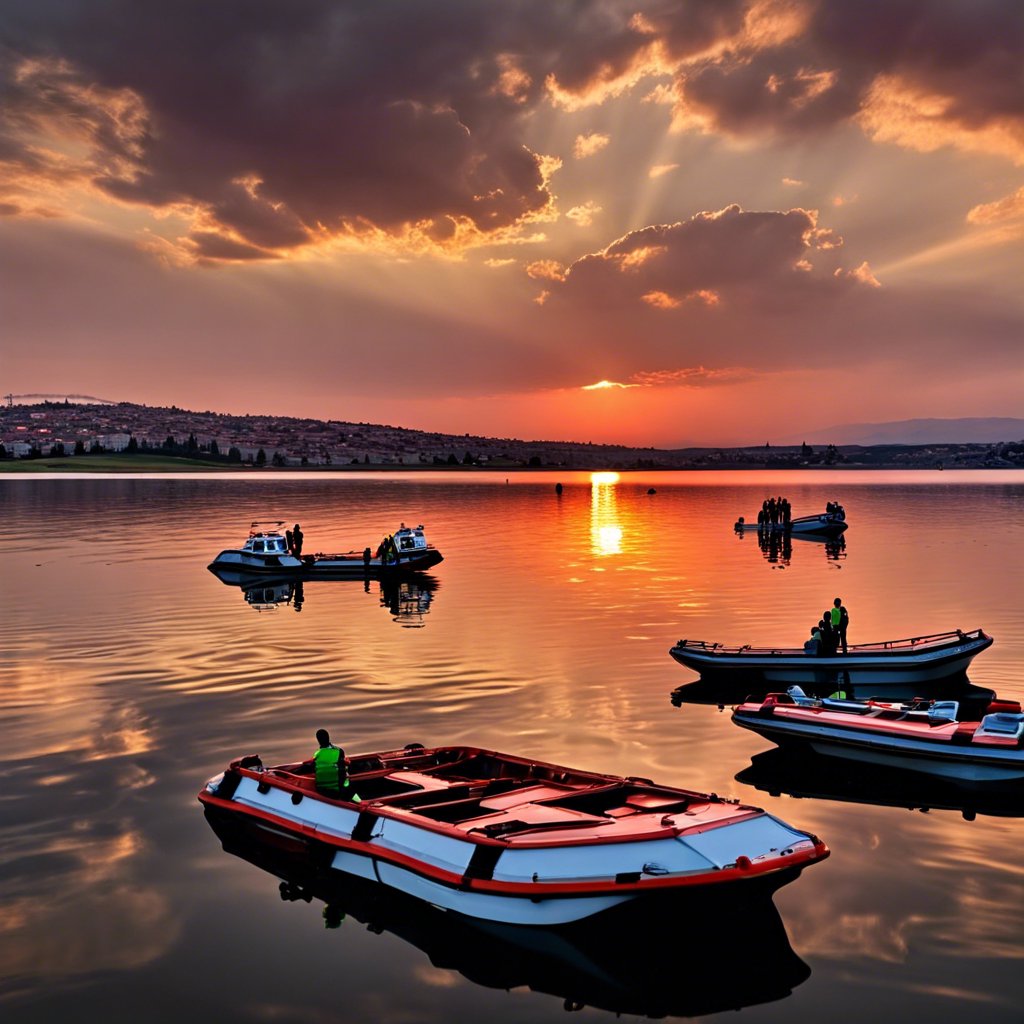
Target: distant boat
917,659
510,839
922,736
830,523
269,550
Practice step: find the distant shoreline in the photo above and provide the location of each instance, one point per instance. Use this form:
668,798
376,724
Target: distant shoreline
116,465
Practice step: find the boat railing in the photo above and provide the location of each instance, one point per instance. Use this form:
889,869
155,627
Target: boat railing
909,643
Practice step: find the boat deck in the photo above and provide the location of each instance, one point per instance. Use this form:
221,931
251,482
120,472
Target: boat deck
485,796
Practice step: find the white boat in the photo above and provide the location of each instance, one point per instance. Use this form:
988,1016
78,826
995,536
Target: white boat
923,736
510,839
919,659
586,964
268,550
824,524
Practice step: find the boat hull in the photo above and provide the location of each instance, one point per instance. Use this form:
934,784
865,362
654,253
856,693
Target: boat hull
494,854
236,560
877,665
942,759
348,566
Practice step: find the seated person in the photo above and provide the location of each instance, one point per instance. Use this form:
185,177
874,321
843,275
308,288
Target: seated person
331,771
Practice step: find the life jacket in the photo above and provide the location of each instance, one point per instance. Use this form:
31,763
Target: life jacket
330,769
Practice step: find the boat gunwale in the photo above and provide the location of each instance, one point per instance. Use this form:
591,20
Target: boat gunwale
934,643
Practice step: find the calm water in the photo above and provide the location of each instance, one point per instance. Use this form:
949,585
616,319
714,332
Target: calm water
131,674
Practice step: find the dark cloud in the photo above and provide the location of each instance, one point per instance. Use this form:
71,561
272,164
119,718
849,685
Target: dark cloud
279,124
732,255
286,122
968,55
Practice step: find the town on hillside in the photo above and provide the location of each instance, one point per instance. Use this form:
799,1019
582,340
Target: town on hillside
61,429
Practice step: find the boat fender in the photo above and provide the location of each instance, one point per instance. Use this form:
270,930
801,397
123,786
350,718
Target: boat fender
262,786
296,798
743,863
414,746
627,878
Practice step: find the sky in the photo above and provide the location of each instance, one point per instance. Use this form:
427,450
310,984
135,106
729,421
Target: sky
664,223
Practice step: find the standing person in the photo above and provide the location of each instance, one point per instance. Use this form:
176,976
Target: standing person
331,771
297,541
840,620
828,636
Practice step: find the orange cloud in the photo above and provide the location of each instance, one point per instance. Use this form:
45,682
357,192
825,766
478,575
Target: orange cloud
588,145
861,274
584,214
660,169
1009,209
546,270
660,300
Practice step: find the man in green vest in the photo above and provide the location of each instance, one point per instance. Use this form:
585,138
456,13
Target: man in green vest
330,770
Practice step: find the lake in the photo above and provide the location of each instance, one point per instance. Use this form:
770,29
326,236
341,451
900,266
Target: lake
131,674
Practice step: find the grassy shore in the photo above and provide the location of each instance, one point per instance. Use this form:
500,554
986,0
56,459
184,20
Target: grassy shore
114,464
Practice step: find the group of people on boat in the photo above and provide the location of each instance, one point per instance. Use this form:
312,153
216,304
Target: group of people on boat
775,512
829,635
293,538
833,508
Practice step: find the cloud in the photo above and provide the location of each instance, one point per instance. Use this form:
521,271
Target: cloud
658,170
588,145
793,182
1008,210
259,133
726,255
606,385
546,270
584,214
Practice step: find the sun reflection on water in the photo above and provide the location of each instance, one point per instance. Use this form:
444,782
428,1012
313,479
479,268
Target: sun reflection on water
605,531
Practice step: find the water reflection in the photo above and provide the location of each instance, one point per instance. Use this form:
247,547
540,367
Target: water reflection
605,529
805,774
680,957
776,546
723,691
408,599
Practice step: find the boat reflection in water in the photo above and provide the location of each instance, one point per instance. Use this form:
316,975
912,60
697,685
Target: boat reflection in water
680,956
407,598
777,545
805,774
723,691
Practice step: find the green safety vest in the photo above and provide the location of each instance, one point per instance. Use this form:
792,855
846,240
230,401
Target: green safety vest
325,761
836,616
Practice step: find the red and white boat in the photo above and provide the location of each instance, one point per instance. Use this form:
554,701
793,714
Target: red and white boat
921,735
510,839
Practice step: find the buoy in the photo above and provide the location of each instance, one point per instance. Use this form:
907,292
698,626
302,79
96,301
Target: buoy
558,488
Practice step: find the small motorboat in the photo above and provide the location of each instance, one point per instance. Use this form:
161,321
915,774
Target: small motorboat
509,839
923,735
919,659
406,550
830,523
680,959
268,549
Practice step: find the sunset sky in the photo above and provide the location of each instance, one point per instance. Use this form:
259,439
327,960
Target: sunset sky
655,223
